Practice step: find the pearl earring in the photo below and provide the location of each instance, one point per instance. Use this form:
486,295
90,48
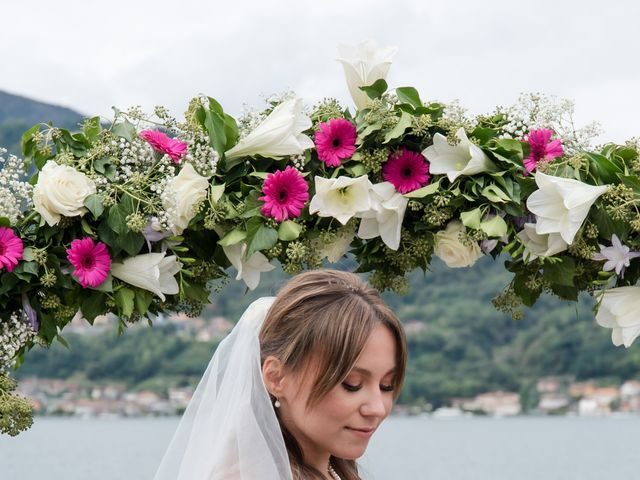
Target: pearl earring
277,403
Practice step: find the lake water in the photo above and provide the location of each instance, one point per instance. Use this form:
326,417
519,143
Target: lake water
557,448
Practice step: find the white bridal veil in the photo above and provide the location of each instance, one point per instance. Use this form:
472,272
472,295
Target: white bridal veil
229,430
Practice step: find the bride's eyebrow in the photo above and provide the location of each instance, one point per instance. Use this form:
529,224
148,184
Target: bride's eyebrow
367,373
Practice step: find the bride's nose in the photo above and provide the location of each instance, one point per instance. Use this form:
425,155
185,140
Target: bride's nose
374,405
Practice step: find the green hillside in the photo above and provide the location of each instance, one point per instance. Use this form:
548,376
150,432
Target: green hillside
464,346
17,114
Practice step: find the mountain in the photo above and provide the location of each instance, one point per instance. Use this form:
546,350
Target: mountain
18,114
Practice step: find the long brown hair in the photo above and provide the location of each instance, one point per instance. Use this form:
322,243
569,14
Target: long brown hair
327,314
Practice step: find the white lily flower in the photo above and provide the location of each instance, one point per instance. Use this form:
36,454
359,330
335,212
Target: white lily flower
465,158
537,245
249,269
562,204
617,256
620,310
277,135
341,197
363,65
150,271
385,217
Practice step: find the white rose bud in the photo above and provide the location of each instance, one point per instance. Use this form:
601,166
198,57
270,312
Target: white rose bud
182,196
452,251
61,191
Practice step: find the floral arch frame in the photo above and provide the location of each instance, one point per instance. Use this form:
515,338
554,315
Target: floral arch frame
137,216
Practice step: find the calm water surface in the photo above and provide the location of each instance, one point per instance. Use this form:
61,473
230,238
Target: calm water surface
403,448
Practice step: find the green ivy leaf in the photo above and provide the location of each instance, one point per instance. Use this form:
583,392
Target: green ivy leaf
93,305
86,228
116,220
472,218
259,237
143,300
409,95
399,129
216,192
561,272
125,130
494,227
234,236
124,301
91,127
4,222
106,286
94,204
424,191
494,194
289,230
130,242
375,90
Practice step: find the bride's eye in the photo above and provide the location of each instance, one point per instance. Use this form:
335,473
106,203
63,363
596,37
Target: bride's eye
386,388
351,388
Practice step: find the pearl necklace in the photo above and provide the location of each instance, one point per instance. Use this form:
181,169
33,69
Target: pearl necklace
333,473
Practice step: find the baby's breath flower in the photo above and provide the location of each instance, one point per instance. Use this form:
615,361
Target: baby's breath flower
15,333
15,194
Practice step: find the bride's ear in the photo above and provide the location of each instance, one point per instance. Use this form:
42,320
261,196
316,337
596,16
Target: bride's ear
273,375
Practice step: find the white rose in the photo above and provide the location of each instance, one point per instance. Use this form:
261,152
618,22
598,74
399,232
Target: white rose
182,197
61,191
452,251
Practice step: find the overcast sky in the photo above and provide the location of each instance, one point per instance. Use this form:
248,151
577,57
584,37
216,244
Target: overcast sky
91,55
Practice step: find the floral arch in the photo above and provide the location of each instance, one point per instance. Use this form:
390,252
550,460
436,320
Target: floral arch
138,216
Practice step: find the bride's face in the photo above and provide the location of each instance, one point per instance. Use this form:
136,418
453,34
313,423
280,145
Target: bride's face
342,422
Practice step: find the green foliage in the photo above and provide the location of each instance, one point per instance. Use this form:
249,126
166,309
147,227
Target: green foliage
15,411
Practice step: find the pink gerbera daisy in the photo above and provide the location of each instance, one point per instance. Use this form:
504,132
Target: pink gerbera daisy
285,193
91,262
406,170
335,141
11,249
164,144
543,149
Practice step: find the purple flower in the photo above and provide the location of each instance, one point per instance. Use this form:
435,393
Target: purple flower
616,257
30,313
153,232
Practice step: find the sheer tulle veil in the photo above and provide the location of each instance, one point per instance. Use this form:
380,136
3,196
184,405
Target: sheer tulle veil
229,430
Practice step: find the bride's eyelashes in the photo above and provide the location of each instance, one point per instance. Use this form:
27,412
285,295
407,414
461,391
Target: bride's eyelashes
351,388
354,388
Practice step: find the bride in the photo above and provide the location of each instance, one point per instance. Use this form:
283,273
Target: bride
297,389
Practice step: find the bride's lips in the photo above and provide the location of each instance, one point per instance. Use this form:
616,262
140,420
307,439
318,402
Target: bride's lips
361,432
